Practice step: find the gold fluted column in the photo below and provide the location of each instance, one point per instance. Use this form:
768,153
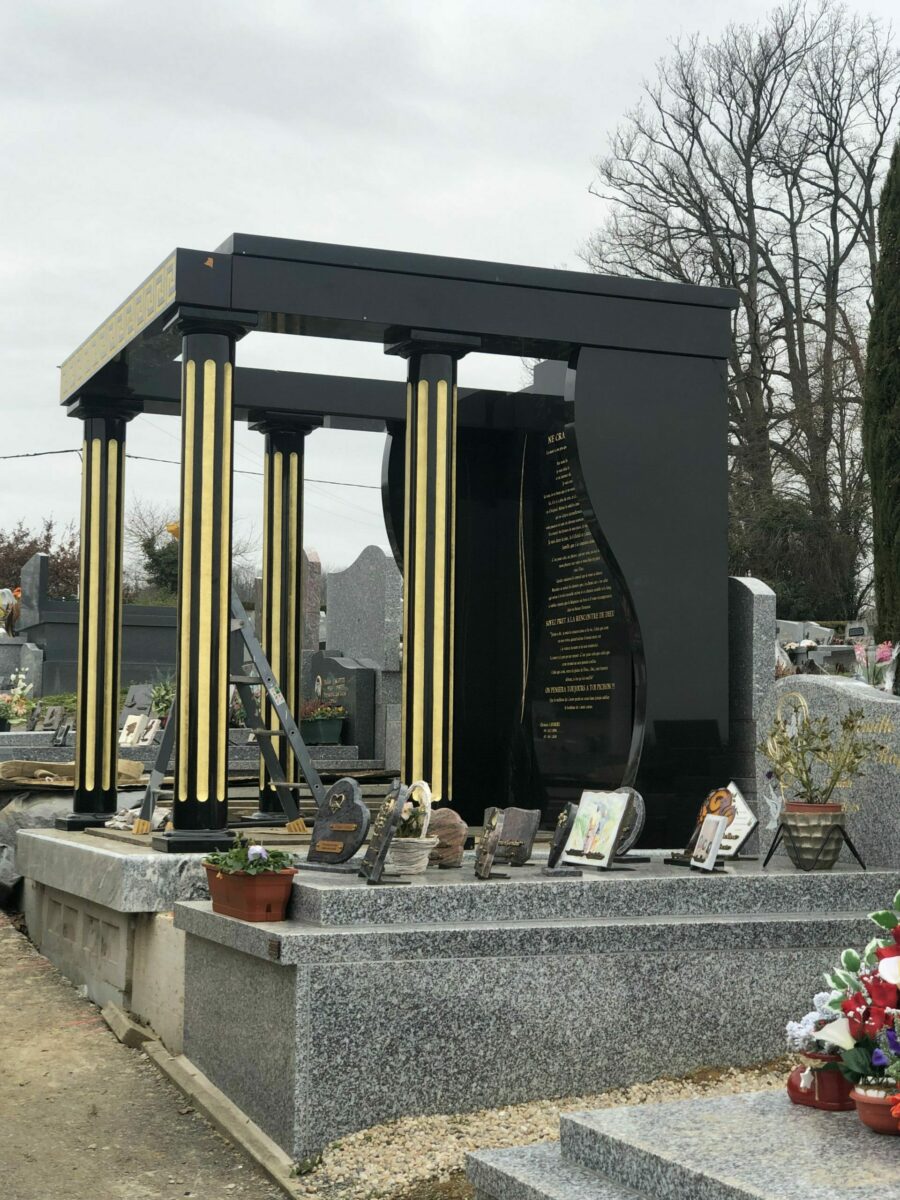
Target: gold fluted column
281,620
200,792
99,615
429,572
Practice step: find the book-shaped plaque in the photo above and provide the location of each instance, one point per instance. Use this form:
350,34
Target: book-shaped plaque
741,822
520,826
708,842
596,829
386,824
341,824
492,831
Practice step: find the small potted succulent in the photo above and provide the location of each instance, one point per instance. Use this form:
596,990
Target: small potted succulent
321,724
250,882
410,848
809,760
866,1025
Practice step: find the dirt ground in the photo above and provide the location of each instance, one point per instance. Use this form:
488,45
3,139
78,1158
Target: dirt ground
84,1118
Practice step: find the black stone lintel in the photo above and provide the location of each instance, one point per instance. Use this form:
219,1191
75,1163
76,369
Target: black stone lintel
192,841
191,318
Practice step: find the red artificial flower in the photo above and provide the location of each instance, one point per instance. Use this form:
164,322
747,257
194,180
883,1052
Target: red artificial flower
887,952
881,993
862,1017
895,1108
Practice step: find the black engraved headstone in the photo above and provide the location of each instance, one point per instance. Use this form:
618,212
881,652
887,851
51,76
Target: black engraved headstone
386,824
348,683
341,824
486,848
520,826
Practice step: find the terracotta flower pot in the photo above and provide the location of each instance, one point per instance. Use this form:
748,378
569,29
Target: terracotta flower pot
875,1111
808,827
828,1089
262,897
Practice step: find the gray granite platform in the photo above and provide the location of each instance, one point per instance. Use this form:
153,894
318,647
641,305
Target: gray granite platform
128,879
475,1006
755,1145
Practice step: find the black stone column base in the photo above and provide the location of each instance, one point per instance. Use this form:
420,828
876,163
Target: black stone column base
192,841
75,822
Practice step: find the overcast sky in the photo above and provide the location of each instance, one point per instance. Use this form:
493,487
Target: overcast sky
459,127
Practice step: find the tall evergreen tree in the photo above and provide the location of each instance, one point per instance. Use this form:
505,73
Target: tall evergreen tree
881,408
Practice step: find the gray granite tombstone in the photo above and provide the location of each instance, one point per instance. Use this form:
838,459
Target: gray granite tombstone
341,824
520,826
138,700
387,822
351,683
486,849
451,832
365,610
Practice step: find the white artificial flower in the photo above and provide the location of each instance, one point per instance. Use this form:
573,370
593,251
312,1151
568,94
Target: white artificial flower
837,1033
889,969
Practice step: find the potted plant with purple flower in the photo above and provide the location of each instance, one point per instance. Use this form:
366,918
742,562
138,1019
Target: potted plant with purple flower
249,881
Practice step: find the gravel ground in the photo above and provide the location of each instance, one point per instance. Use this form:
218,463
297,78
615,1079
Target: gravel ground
417,1158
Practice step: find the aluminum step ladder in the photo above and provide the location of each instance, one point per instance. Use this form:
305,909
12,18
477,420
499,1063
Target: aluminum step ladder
244,684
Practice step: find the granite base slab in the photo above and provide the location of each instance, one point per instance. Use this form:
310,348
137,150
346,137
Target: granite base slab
755,1145
495,1005
538,1173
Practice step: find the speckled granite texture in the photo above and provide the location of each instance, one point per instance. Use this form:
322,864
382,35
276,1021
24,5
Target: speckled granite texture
497,1001
122,877
538,1173
756,1145
440,896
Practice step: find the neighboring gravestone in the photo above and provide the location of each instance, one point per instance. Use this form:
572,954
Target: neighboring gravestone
138,702
875,827
520,826
341,824
451,831
387,822
365,610
351,683
311,578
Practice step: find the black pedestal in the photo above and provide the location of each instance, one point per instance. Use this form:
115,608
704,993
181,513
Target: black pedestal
192,841
75,822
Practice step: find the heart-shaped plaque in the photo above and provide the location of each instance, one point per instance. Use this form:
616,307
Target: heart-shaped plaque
341,824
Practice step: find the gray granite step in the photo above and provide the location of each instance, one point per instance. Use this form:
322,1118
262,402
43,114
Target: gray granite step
538,1173
755,1145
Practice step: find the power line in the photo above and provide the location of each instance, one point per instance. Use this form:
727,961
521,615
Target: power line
175,463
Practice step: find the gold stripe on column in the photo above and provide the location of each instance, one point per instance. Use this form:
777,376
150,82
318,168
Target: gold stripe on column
204,580
82,618
407,585
93,601
224,574
421,569
109,650
264,616
440,579
187,538
277,567
293,632
452,638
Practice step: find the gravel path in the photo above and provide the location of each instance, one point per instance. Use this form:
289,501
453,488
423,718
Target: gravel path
397,1159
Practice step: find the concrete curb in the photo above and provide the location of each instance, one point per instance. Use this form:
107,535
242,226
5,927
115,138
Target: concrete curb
126,1029
226,1117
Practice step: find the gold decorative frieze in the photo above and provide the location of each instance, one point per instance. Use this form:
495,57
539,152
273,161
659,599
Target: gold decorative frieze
144,304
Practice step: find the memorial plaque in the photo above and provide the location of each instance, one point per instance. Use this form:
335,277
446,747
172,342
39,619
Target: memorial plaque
741,822
564,825
341,824
581,687
52,716
34,716
597,829
451,832
491,833
520,826
387,822
708,843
